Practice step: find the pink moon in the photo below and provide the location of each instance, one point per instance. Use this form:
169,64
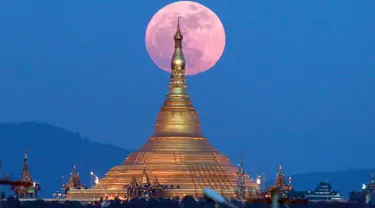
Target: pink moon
203,32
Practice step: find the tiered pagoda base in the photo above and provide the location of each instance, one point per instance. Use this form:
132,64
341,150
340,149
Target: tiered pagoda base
184,166
95,194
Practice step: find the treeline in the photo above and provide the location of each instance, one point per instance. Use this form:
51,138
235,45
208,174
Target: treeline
186,202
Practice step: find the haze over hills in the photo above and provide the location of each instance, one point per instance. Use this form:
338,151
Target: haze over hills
54,150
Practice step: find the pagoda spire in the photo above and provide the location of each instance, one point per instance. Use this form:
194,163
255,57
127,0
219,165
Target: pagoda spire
177,82
241,170
280,177
177,117
74,181
25,175
145,179
280,168
241,180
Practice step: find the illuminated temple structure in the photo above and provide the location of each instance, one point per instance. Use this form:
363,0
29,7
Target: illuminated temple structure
26,187
280,181
281,184
177,155
144,188
74,182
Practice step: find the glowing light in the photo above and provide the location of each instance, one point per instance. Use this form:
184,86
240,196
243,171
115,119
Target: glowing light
258,181
363,186
91,173
96,180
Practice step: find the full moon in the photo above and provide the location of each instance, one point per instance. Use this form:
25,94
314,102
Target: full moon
203,32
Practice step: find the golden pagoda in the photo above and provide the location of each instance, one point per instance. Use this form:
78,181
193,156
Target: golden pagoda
177,154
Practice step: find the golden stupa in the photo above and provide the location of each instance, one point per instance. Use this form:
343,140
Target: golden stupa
177,155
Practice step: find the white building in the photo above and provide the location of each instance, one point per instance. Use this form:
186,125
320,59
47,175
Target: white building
324,192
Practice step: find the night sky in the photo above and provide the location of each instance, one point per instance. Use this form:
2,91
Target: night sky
295,84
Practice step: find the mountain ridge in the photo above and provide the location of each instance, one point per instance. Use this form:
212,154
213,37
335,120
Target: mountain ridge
52,153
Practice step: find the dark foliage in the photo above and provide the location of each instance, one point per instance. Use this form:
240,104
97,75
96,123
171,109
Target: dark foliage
186,202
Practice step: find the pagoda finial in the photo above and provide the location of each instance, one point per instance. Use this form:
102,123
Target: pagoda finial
372,177
178,35
25,156
280,168
177,83
74,169
241,169
241,162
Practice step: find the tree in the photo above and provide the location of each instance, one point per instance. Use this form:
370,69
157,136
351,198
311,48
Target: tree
170,203
154,203
188,202
12,203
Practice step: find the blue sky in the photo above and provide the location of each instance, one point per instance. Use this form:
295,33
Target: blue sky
295,83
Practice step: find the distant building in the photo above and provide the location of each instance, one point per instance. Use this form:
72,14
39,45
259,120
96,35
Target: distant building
324,192
281,184
143,188
74,182
242,192
26,188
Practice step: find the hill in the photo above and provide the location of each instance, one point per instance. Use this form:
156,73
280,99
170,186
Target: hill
52,153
